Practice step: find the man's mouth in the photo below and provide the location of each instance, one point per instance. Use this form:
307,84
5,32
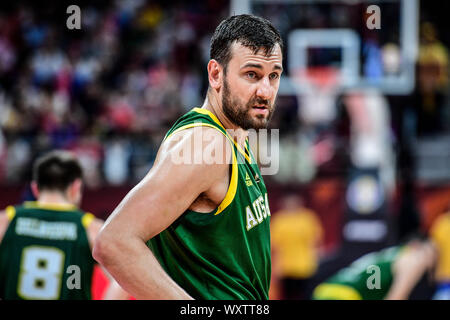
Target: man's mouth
261,109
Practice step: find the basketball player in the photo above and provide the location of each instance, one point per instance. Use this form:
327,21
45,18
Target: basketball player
45,246
200,229
390,274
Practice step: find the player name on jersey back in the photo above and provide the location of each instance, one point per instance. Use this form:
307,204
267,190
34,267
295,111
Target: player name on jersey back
46,230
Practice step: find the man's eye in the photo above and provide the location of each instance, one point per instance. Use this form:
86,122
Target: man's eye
251,75
273,76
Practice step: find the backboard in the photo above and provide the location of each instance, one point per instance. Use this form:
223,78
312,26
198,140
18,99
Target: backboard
337,34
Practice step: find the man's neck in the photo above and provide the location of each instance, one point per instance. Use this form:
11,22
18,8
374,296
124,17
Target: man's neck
213,105
49,197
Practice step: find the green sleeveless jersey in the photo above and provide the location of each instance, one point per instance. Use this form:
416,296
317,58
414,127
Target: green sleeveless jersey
45,253
357,282
223,254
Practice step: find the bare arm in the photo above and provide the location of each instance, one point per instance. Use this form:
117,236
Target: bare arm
113,291
409,269
4,222
93,230
158,200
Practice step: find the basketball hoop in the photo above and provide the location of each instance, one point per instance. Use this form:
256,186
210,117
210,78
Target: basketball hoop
323,77
317,88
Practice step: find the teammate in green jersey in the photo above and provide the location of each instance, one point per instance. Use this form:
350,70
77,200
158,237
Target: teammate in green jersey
45,246
389,274
200,229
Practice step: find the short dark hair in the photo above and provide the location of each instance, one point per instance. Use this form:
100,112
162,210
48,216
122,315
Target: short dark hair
251,31
56,170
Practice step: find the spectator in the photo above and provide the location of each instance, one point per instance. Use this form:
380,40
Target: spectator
432,80
440,234
296,236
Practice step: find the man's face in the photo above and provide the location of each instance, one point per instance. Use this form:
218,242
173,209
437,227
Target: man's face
250,86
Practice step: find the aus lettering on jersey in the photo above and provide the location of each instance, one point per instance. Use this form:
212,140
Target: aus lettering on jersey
258,212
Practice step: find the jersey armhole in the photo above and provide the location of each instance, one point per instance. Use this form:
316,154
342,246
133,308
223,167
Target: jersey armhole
232,187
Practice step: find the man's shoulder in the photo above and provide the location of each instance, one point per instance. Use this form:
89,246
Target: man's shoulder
201,131
203,145
200,123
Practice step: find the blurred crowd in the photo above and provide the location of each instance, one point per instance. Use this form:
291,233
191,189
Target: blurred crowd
111,90
108,91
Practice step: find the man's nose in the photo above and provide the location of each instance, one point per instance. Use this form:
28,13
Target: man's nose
264,90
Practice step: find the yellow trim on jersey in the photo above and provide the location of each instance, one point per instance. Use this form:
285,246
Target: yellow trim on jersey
192,125
231,192
334,291
10,212
50,206
214,118
249,150
87,219
231,188
209,113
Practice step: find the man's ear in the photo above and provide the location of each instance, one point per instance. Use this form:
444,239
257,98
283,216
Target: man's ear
215,74
75,190
35,189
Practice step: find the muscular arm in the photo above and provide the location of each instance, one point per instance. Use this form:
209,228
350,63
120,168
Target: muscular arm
158,200
113,291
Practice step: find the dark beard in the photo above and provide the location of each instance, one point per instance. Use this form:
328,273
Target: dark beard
240,116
